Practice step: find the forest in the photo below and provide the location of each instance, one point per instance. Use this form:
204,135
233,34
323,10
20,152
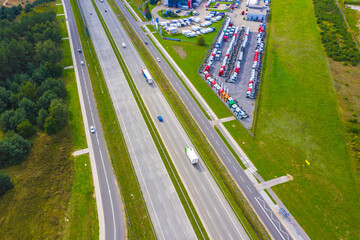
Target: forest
31,91
335,36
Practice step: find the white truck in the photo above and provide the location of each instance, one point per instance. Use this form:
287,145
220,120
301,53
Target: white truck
147,75
191,155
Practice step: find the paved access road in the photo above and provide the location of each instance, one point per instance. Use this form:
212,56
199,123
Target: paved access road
166,211
110,210
271,221
214,211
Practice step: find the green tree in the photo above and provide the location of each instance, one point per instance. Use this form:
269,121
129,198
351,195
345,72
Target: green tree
29,91
201,41
29,108
42,115
5,183
45,100
59,111
10,119
47,52
147,12
4,99
51,126
25,129
13,150
56,86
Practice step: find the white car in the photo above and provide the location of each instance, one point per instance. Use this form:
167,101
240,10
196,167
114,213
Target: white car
92,129
82,63
158,59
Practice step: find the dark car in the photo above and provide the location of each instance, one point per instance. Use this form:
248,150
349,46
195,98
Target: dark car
178,11
146,43
160,118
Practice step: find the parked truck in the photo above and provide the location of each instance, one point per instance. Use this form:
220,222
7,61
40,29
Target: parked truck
147,75
191,155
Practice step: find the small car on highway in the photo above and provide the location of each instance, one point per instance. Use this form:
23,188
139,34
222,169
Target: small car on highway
92,129
158,59
160,118
82,63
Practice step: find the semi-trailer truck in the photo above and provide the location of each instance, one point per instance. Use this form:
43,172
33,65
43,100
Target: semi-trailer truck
147,75
191,155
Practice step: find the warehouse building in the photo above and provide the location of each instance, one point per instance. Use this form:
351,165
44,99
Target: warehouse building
256,13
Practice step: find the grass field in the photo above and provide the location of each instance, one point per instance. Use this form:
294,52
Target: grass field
189,56
298,119
59,9
81,218
35,208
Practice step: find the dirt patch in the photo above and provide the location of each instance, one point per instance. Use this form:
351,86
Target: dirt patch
180,51
11,3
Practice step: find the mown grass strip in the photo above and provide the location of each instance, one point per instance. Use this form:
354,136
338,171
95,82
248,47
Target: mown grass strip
180,189
240,205
82,213
229,147
138,224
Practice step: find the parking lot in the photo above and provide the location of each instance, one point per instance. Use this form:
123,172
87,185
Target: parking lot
238,89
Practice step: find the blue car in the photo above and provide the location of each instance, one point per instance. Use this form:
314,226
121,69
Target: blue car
160,118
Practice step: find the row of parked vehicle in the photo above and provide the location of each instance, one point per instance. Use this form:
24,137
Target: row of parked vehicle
225,97
256,67
240,56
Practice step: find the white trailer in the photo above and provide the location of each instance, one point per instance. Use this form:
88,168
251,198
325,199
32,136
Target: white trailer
191,155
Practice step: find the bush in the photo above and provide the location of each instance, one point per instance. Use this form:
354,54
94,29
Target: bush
201,41
13,150
25,129
5,183
51,126
354,130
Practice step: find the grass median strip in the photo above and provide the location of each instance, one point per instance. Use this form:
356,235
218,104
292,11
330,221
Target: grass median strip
240,206
138,224
184,198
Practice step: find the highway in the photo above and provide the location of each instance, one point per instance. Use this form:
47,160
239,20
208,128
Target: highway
109,204
268,218
165,209
214,211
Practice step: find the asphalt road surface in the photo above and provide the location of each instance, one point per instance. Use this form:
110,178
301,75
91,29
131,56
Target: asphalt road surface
112,210
166,211
271,221
215,213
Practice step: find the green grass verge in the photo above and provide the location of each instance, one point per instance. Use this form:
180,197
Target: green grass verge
67,58
229,147
227,186
188,56
75,115
58,1
138,222
63,29
82,213
59,9
180,189
136,10
185,85
296,123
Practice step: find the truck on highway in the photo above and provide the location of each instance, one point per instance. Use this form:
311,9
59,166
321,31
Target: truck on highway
147,75
191,155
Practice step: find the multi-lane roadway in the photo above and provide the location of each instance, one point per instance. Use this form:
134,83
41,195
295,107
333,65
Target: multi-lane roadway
214,211
109,204
269,219
165,208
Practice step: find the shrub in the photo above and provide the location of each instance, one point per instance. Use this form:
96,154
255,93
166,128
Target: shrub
5,183
13,150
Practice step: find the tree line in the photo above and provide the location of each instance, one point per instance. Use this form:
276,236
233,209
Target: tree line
31,93
335,36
